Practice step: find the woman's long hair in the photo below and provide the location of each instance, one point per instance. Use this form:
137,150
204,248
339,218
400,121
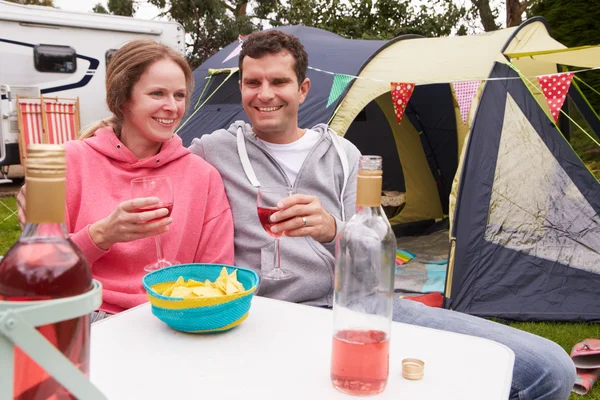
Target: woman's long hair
124,70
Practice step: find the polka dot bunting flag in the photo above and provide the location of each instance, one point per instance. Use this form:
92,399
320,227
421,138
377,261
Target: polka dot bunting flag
464,92
401,93
555,88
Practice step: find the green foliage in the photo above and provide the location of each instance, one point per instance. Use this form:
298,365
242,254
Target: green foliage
565,335
124,8
365,19
212,24
46,3
99,9
209,24
9,225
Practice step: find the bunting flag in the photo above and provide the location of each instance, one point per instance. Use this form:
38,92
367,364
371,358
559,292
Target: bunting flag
401,93
337,88
555,88
465,92
235,51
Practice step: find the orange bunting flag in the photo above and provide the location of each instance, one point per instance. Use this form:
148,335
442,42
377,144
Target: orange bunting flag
401,93
555,88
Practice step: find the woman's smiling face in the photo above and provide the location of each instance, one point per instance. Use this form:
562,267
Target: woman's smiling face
156,104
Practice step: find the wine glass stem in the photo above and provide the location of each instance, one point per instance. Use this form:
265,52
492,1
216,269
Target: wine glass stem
276,259
159,249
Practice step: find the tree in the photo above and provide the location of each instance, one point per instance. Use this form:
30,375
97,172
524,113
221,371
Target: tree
209,24
487,14
122,7
125,8
99,9
364,19
46,3
212,24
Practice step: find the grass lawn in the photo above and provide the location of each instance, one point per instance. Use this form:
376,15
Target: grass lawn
565,334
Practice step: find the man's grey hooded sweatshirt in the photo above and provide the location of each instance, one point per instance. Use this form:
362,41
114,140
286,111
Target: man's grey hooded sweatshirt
321,175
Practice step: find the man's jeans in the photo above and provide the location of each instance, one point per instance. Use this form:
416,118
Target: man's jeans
543,370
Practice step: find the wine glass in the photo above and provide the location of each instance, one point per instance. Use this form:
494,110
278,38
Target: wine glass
155,186
266,205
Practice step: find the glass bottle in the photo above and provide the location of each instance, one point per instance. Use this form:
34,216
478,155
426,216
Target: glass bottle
363,291
43,265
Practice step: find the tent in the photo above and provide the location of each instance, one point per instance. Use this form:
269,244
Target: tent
524,240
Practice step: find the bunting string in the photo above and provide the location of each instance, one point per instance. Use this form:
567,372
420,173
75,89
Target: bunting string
435,83
564,113
589,87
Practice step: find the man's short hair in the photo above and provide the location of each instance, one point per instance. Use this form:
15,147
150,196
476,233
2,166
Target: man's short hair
259,44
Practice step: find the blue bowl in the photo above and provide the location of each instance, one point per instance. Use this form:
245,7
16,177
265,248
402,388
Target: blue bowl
201,314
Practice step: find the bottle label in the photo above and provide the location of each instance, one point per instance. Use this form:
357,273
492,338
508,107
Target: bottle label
368,191
45,200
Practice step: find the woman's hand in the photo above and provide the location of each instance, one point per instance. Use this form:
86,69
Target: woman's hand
303,215
127,223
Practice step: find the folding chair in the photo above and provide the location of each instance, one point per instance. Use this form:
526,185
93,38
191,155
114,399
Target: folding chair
31,126
60,118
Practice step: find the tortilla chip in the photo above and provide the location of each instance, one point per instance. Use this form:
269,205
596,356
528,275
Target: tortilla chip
180,281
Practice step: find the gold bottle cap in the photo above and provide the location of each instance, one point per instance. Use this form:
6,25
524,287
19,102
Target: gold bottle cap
412,368
45,160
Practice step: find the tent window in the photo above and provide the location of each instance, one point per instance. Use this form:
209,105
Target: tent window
53,58
229,93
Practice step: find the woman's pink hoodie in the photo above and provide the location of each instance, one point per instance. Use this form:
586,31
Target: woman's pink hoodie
99,171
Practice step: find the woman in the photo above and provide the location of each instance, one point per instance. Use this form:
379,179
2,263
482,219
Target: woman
148,87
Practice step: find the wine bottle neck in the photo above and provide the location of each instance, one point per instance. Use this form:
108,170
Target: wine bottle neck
31,230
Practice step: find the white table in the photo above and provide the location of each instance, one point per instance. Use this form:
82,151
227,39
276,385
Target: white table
282,351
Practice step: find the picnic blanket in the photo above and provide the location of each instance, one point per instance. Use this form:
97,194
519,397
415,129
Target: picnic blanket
421,277
421,263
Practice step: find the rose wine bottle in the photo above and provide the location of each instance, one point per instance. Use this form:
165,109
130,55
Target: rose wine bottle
363,291
44,265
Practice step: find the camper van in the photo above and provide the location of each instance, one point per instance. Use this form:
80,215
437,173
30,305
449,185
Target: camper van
48,51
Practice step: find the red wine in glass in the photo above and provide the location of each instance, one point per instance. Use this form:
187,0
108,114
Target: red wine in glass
266,205
155,186
264,215
168,206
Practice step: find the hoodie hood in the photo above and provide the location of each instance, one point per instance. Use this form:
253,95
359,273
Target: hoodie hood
106,142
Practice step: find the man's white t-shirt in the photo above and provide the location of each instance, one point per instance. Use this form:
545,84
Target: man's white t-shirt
291,155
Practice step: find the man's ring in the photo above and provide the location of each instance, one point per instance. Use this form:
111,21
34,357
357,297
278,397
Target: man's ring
304,222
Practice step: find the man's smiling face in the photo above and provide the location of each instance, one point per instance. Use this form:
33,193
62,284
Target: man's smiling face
271,96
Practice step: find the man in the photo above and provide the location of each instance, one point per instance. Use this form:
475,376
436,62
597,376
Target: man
322,167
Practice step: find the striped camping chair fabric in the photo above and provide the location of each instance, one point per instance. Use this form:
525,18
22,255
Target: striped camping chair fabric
31,126
61,120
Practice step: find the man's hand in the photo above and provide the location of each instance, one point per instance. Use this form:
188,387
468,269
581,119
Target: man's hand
303,215
127,223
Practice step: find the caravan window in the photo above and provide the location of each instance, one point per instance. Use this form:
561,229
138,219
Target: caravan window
108,55
53,58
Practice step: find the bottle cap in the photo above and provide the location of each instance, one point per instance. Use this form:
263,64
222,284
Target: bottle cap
45,161
412,368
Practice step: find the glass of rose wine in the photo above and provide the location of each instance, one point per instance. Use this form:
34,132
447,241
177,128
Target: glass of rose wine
266,205
155,186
